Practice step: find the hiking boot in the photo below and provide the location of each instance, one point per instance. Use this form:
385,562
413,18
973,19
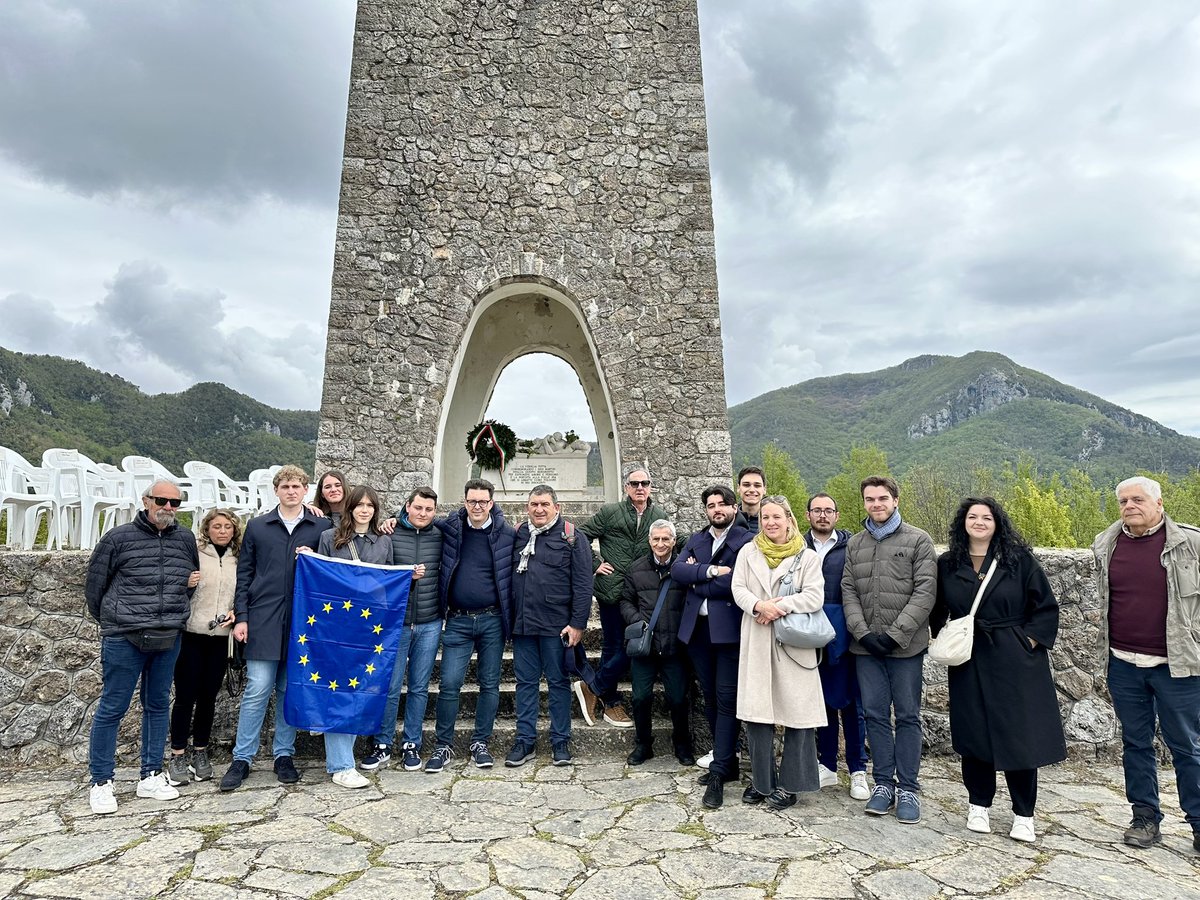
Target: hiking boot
155,787
908,807
235,775
101,798
640,754
438,759
882,800
480,755
560,754
200,766
616,715
411,756
177,770
587,702
377,758
1142,832
520,754
286,771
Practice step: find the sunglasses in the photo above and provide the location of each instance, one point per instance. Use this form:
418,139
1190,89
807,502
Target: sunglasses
638,484
173,502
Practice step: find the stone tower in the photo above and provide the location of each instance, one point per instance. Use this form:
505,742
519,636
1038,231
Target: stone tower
525,176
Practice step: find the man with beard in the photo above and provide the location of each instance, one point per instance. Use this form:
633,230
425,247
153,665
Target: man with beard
711,626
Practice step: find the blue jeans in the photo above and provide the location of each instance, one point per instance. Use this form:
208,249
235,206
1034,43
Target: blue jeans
415,656
893,684
463,636
614,663
339,751
1139,696
122,664
262,677
534,657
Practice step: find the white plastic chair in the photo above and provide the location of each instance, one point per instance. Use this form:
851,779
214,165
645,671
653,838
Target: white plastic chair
262,491
145,471
213,489
89,499
25,496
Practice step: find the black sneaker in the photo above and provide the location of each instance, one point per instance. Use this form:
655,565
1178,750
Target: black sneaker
1142,832
201,767
235,775
751,797
520,754
561,754
480,755
412,757
177,770
286,771
376,759
781,799
438,759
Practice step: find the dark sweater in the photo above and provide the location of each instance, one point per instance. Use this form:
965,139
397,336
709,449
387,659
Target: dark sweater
1137,586
473,585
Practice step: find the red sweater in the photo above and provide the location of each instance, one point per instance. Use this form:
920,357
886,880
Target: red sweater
1137,591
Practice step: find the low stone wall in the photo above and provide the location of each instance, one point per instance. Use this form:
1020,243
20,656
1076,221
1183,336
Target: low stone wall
50,667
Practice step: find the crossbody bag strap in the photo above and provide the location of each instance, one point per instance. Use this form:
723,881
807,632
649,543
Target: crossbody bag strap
662,595
353,550
983,587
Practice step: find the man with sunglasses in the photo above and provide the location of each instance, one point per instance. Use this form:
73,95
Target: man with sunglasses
139,588
622,531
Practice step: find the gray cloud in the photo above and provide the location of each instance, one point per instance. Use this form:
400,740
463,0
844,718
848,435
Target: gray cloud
207,104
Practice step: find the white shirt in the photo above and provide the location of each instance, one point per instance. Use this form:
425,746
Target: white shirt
823,546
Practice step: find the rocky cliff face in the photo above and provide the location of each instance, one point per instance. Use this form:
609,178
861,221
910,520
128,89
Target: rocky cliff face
990,390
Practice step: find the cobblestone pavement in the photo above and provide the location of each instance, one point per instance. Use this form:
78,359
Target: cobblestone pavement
594,830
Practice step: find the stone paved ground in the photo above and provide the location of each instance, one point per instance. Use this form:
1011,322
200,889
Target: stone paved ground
596,830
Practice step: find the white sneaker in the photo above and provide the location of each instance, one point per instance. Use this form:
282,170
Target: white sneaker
705,761
1022,829
828,776
977,819
858,786
350,778
101,798
155,787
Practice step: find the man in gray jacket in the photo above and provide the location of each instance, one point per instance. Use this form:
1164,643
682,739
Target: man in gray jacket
888,588
1149,582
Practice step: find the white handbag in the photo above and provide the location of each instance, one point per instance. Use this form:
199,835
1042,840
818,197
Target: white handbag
952,646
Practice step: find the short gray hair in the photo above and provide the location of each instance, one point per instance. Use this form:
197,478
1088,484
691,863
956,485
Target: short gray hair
1149,485
630,468
541,490
149,491
663,525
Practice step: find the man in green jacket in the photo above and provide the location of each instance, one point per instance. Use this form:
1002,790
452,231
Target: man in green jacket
623,532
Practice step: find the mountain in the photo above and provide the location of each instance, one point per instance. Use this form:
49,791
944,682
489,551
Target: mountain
981,409
47,401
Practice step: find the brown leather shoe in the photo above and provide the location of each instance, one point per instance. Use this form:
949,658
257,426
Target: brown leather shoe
587,702
616,715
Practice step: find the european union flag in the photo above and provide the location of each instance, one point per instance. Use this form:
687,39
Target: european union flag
346,623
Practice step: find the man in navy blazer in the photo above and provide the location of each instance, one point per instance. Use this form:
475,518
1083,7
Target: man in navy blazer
711,627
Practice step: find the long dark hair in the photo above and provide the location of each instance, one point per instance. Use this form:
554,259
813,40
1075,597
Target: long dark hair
1007,543
322,503
345,528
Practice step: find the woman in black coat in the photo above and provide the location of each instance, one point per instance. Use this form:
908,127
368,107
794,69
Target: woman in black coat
1003,706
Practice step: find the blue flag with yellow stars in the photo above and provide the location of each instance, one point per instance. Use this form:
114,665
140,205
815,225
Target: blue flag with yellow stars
346,623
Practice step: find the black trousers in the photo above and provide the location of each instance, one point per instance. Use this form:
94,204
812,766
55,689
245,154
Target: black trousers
979,777
673,671
716,668
199,672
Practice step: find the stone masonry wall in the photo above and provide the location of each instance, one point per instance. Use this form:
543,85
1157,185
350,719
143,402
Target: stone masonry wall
50,668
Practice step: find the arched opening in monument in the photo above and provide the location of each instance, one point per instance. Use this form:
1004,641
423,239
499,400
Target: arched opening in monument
511,320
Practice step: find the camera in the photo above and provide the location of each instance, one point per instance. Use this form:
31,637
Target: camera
222,619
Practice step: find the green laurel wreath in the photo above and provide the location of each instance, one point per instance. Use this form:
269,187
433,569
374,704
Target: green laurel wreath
482,443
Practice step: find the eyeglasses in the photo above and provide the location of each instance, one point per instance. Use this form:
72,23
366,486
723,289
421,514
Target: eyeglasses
173,502
476,504
639,484
823,512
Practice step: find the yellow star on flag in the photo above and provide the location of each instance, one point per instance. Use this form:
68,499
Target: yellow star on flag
304,660
312,620
366,613
370,668
328,607
333,685
303,639
377,629
353,682
347,605
379,648
314,677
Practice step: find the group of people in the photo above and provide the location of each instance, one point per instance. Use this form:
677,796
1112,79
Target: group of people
714,603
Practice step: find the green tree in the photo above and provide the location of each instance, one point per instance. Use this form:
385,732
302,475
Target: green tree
1181,498
846,486
1036,510
1085,505
783,477
931,496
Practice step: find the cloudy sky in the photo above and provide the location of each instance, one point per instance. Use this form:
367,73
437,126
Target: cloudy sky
892,178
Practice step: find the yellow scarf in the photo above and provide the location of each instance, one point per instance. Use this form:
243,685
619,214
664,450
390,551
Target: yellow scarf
777,553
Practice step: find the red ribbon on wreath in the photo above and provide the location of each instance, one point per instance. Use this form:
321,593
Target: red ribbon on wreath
487,431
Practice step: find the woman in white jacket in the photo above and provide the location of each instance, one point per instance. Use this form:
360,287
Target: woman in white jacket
776,574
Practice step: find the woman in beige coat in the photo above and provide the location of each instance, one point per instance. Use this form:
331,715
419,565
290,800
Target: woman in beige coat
776,574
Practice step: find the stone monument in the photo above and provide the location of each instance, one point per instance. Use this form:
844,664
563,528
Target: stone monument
525,177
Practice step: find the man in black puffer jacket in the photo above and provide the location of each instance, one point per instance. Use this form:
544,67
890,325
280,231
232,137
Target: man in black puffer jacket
139,588
639,596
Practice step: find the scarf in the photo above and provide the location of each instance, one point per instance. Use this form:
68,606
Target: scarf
887,529
528,551
777,553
